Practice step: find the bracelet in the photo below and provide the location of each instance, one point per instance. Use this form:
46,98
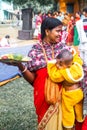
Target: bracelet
24,70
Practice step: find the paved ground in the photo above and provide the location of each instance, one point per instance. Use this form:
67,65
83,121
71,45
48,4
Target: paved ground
13,32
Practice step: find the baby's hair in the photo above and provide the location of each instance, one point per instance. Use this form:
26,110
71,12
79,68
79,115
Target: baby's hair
64,53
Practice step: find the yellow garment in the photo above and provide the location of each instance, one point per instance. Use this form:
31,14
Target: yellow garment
59,75
54,73
76,58
71,100
72,107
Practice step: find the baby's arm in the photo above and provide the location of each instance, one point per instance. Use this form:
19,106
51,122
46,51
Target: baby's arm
77,59
54,72
73,74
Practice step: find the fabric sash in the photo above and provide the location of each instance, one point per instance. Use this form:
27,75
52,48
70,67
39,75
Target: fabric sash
39,98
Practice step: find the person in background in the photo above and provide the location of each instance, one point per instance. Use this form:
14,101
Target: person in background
82,14
77,16
65,22
49,14
18,18
37,32
5,41
55,14
81,26
76,39
70,31
65,69
60,16
66,19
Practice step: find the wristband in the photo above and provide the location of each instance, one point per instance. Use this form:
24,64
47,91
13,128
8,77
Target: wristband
24,70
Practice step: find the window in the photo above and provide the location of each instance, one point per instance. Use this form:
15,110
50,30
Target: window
70,7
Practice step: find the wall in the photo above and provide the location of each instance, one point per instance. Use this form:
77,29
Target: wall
63,5
5,6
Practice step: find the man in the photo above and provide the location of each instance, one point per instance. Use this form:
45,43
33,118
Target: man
81,26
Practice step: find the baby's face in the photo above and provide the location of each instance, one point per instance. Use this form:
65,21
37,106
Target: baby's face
67,63
64,63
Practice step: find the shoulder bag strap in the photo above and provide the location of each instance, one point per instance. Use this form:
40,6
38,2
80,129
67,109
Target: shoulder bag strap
45,52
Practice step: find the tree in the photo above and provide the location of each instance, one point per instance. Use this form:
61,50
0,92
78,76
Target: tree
37,5
21,2
17,2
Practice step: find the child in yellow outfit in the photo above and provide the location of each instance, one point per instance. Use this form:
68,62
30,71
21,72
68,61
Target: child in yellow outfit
72,94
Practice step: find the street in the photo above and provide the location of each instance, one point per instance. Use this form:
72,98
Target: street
13,32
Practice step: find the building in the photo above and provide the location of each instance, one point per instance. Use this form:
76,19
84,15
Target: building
6,11
71,6
82,4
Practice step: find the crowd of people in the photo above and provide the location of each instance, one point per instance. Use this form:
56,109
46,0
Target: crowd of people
69,23
58,32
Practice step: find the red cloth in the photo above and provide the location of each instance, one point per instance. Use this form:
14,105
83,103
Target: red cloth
84,125
39,99
70,30
78,126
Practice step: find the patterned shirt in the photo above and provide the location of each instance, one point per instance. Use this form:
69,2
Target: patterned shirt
38,59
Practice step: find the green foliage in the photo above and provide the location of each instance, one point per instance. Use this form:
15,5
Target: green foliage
45,2
17,2
36,5
21,2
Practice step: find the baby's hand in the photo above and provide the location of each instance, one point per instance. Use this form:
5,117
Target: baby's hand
59,64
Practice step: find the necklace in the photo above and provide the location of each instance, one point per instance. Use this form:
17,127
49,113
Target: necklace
44,51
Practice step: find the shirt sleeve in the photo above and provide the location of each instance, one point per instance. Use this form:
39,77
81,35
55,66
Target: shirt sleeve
54,72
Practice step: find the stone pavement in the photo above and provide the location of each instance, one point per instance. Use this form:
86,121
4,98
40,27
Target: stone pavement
13,32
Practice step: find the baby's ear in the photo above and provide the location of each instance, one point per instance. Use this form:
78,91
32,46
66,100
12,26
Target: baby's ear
61,62
73,51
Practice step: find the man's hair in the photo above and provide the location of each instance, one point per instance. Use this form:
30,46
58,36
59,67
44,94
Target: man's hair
49,23
85,9
64,53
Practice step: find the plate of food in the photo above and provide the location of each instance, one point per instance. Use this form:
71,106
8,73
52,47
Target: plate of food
14,58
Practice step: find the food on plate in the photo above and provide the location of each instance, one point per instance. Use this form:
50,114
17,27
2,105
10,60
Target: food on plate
4,57
17,57
14,57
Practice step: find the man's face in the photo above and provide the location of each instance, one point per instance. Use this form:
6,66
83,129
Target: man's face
85,14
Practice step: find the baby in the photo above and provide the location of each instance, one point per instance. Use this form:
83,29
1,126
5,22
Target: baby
68,70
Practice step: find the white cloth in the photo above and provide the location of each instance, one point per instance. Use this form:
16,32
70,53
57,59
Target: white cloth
83,41
4,42
81,32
